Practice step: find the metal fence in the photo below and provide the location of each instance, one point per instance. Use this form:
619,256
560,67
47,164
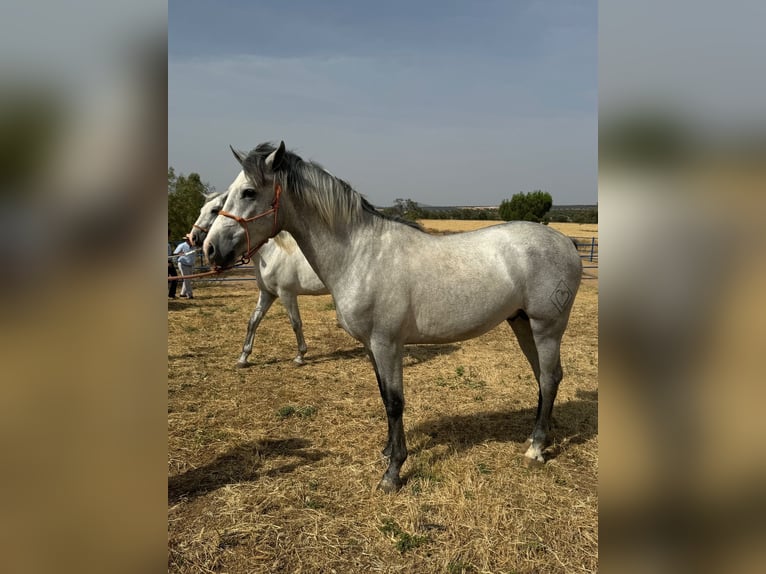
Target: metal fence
587,247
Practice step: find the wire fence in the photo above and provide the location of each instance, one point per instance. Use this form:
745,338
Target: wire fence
587,248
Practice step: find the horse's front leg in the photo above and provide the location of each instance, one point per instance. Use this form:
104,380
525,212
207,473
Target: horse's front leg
387,450
387,359
265,299
290,301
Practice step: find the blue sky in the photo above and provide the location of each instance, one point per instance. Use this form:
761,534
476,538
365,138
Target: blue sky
443,102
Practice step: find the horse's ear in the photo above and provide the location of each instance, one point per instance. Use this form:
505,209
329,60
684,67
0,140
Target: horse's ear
274,160
240,156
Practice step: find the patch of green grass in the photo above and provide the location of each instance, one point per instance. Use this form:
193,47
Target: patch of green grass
483,468
464,378
313,504
286,411
403,541
290,410
472,384
423,471
307,411
407,541
205,436
460,567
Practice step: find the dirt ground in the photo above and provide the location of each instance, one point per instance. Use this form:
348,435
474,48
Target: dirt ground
273,468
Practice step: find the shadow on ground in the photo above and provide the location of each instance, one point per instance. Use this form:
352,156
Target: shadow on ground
417,354
242,464
413,355
574,422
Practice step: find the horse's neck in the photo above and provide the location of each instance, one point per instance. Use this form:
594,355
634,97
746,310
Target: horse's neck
330,252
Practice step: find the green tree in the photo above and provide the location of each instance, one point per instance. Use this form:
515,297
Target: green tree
526,206
406,209
186,195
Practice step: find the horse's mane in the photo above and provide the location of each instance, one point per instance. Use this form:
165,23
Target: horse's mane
331,197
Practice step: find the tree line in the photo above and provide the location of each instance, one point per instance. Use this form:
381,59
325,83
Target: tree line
186,195
533,206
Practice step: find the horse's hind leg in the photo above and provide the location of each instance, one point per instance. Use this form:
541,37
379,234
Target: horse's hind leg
547,339
523,331
265,299
290,301
547,369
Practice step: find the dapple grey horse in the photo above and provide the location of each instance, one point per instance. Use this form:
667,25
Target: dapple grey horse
281,271
395,285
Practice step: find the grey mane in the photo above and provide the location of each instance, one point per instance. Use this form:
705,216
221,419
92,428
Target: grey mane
333,198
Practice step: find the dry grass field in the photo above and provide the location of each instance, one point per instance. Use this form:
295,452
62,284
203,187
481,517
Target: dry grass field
445,225
273,468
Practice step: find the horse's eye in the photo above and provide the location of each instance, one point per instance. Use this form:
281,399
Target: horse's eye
215,211
249,193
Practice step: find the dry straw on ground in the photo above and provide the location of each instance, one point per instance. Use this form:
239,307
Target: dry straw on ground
273,468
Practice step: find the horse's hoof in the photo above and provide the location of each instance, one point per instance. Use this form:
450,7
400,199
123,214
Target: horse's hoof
299,361
389,486
533,462
534,458
243,364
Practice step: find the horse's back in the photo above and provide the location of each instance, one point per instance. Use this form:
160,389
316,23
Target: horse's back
458,286
518,249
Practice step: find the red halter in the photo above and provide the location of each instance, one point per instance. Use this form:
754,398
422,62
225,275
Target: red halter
244,221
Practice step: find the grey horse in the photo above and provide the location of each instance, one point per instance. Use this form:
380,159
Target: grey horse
394,285
281,271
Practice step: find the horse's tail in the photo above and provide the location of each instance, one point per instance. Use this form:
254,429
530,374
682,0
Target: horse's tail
576,244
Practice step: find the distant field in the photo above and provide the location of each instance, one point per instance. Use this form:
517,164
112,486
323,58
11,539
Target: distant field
441,225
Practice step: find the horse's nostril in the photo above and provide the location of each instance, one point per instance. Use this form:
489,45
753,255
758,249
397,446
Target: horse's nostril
210,251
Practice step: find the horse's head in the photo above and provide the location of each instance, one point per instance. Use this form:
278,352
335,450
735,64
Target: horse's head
207,215
250,214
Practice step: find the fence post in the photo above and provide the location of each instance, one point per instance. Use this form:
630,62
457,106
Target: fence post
592,247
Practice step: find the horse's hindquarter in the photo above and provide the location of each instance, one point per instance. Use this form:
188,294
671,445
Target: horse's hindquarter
463,285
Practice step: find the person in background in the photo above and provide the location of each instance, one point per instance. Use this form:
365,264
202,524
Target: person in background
186,264
172,285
